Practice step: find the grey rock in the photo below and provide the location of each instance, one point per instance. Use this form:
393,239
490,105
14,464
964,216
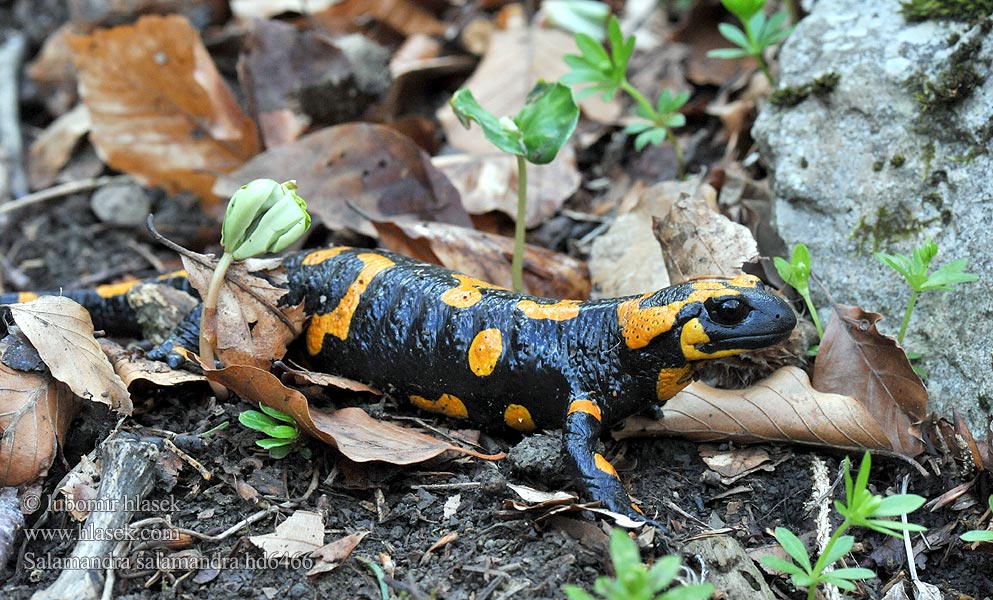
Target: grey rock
126,204
867,166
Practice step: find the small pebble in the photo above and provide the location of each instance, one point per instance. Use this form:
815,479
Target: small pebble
125,204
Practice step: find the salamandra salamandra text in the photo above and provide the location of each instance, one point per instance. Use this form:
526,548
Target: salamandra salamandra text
458,346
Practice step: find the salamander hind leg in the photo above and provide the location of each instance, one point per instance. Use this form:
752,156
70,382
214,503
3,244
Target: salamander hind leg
598,478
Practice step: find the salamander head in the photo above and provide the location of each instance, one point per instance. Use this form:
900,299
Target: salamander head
711,317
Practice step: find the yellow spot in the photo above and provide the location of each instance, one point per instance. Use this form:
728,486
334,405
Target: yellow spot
447,405
338,321
466,293
637,508
164,276
115,289
745,281
604,465
587,407
670,381
517,417
26,296
640,326
485,351
692,335
559,311
318,256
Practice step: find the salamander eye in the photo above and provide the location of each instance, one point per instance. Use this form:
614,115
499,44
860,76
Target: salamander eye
728,311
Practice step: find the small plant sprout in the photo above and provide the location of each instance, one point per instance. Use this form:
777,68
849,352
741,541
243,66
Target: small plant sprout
979,535
535,134
861,508
284,434
914,270
634,581
606,72
760,32
797,273
262,216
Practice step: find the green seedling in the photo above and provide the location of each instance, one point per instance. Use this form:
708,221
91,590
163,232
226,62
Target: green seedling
979,535
914,270
797,273
634,581
760,32
535,134
262,216
577,16
606,72
861,508
282,429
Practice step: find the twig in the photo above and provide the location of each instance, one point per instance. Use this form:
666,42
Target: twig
64,189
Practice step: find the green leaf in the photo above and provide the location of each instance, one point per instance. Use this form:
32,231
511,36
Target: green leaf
838,582
794,547
783,566
270,443
977,535
743,9
663,572
698,591
840,548
852,573
623,552
283,432
655,135
948,275
253,419
593,53
574,592
898,504
280,452
735,36
277,414
862,479
467,109
728,53
546,121
674,121
577,16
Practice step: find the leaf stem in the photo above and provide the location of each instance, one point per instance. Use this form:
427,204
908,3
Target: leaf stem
208,332
813,314
641,100
765,68
680,167
517,263
906,316
819,566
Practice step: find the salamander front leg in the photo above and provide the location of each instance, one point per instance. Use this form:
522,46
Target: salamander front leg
186,335
597,476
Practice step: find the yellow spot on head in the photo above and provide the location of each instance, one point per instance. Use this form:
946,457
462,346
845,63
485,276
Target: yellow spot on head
26,296
692,335
115,289
745,281
318,256
587,407
559,311
447,405
485,351
604,465
466,293
338,321
670,381
517,417
640,326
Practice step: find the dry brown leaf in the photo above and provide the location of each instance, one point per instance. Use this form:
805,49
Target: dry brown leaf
359,437
486,256
133,368
782,408
160,109
734,463
327,380
699,242
699,31
248,328
62,332
405,16
54,74
297,536
489,182
35,413
358,170
856,359
333,554
514,61
51,150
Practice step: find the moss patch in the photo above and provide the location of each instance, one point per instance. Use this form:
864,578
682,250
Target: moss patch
793,95
955,10
885,225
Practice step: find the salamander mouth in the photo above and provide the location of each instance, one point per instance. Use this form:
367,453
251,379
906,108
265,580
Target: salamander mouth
745,342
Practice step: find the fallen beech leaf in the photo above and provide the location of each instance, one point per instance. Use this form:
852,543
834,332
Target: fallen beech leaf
533,496
62,332
51,150
515,59
53,73
781,408
160,109
486,256
327,380
297,536
133,368
405,16
734,463
248,328
857,360
349,172
489,182
333,554
355,434
35,413
699,242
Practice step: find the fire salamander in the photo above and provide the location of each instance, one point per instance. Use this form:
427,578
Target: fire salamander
463,348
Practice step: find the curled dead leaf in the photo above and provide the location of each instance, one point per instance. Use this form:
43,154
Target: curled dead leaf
133,368
857,360
353,432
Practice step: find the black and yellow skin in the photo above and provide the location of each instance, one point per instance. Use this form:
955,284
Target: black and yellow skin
457,346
